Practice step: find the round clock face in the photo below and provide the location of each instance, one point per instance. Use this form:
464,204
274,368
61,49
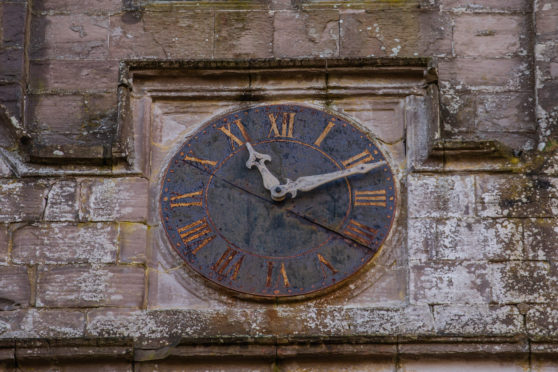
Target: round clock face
221,218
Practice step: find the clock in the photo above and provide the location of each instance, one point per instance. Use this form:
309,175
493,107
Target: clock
278,200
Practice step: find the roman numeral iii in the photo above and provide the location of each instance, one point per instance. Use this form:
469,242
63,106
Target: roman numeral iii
376,198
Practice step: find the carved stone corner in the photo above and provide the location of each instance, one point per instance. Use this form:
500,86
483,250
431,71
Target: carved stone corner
428,151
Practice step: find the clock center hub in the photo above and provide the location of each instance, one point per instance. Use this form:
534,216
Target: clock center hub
243,213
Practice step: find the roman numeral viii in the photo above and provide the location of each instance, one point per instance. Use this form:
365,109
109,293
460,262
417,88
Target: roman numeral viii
196,235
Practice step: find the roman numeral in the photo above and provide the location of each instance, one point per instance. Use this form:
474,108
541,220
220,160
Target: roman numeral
200,161
325,263
323,135
227,129
375,198
186,200
287,125
363,157
282,271
221,266
196,234
361,233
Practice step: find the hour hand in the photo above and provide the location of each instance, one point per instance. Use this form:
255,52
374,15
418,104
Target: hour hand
308,183
258,160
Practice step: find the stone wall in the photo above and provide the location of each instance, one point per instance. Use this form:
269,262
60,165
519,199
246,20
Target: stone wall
474,282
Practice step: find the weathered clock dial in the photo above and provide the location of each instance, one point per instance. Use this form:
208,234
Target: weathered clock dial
221,218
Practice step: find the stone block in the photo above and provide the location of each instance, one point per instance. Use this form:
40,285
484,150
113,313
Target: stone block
62,201
11,61
395,33
470,365
511,74
542,321
449,282
133,242
491,35
379,34
148,324
420,238
11,97
477,239
440,196
22,200
541,238
189,37
72,6
478,320
547,96
306,34
544,363
507,112
340,364
385,118
88,365
546,15
56,113
516,196
85,286
64,243
128,38
15,288
485,5
458,110
523,281
4,244
435,34
69,36
243,34
114,199
13,24
87,76
36,324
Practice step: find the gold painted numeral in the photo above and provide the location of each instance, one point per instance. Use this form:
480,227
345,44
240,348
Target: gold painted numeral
323,135
363,157
326,263
361,233
201,161
187,200
221,266
282,271
196,234
375,198
287,125
227,129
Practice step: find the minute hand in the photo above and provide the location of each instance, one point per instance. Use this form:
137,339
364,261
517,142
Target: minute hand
308,183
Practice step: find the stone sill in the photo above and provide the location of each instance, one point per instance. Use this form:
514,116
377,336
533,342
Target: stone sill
125,351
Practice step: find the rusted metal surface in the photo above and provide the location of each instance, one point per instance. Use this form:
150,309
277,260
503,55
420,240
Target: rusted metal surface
224,224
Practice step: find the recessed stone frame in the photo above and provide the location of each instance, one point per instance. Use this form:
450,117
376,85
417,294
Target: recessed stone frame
162,103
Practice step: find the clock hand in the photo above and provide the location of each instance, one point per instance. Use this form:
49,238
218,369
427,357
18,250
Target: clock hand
308,183
257,159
